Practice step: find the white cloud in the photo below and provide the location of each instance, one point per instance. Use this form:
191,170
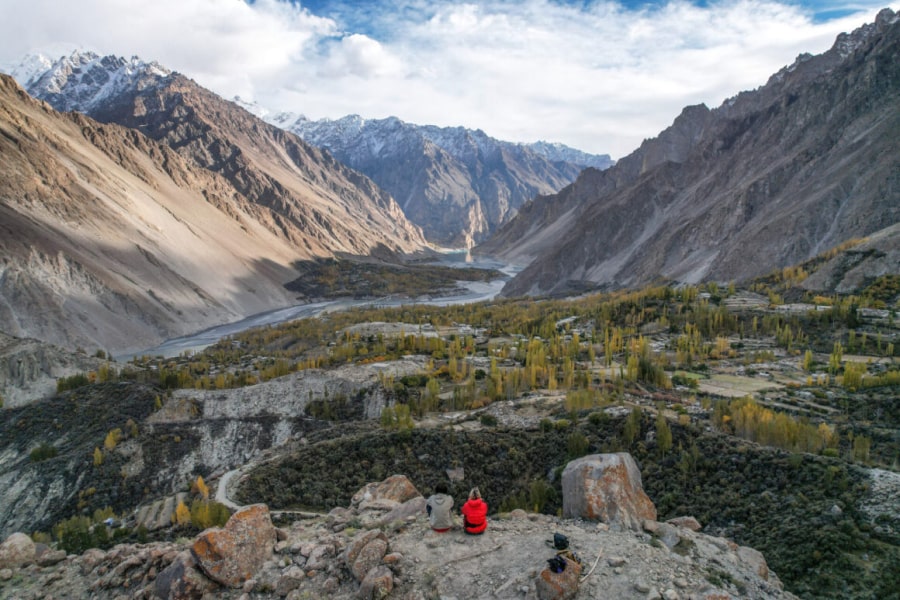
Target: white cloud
595,76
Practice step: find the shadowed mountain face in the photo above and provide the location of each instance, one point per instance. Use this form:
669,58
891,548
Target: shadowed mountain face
770,178
112,240
459,185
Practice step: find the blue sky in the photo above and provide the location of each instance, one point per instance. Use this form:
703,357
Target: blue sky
598,75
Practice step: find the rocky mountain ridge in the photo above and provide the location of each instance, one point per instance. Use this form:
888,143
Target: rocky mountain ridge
381,546
319,205
459,185
770,178
116,241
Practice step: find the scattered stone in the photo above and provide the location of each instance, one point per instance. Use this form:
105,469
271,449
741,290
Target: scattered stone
318,558
377,584
16,551
608,488
681,582
289,581
6,574
331,585
233,554
686,522
280,534
181,580
51,557
641,586
518,513
668,535
615,561
369,557
360,541
671,594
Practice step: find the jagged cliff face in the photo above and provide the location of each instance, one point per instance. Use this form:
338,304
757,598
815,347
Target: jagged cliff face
770,178
29,369
459,185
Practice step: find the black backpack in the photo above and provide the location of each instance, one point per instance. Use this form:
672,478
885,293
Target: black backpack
560,542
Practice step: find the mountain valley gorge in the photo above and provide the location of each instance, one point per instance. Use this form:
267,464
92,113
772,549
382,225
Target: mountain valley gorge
721,307
769,179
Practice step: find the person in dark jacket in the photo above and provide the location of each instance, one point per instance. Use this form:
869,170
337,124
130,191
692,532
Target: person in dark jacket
474,513
438,507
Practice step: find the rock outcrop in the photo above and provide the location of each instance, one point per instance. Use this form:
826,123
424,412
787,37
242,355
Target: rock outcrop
322,557
29,369
606,488
233,554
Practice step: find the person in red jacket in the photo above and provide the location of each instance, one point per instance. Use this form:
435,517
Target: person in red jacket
474,513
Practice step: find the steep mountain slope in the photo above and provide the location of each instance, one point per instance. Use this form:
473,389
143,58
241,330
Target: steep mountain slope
770,178
852,269
111,240
300,193
29,369
458,184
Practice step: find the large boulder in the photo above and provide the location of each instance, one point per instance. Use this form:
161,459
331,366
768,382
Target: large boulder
384,495
17,551
233,554
607,488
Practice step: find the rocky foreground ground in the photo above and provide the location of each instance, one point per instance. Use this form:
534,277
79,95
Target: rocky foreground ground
381,546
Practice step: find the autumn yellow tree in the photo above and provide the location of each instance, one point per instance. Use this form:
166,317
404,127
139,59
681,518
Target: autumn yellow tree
182,515
112,438
202,487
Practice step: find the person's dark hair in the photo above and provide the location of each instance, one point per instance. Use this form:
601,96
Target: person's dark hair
441,488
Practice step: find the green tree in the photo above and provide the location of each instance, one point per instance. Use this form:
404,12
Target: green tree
577,445
632,427
807,360
663,433
834,361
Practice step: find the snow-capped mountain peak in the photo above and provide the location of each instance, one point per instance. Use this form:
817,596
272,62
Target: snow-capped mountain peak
83,79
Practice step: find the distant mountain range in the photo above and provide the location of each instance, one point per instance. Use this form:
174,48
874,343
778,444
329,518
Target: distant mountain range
459,185
770,178
164,209
177,212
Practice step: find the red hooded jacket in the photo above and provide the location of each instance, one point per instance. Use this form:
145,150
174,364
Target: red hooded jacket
475,513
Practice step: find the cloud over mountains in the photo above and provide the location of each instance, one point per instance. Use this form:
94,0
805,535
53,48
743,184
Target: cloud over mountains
600,76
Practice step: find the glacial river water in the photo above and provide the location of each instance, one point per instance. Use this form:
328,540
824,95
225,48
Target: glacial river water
477,291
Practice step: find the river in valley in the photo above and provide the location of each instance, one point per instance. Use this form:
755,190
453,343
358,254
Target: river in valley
477,291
